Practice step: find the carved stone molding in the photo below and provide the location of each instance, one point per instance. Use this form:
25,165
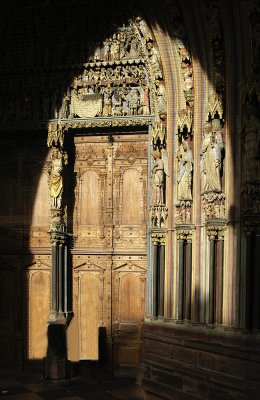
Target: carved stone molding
77,123
105,123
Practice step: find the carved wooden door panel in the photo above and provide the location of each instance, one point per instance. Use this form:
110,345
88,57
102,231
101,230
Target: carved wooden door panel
110,245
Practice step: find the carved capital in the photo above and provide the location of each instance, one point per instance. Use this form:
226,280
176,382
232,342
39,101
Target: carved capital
184,234
158,238
215,230
58,238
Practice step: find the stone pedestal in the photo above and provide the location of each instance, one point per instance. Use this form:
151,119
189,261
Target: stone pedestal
56,360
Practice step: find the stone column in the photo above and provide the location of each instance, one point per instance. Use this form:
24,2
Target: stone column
54,308
158,241
212,280
161,279
219,283
184,242
155,278
188,273
65,280
56,360
249,277
216,261
255,306
180,277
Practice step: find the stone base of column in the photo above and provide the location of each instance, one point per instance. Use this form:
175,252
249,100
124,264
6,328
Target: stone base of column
60,317
56,362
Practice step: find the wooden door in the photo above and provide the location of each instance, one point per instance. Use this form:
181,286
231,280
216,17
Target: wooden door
109,260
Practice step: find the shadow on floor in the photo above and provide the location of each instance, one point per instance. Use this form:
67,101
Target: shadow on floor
30,386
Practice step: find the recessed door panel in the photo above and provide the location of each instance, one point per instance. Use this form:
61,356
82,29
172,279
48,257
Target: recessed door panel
110,231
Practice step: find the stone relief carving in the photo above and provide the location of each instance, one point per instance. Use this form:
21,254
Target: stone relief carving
183,212
121,77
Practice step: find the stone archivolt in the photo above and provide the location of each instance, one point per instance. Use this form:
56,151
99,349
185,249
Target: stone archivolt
250,132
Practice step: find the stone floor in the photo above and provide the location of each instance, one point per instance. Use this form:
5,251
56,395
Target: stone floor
26,386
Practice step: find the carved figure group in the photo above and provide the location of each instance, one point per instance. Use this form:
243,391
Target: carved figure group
119,60
122,44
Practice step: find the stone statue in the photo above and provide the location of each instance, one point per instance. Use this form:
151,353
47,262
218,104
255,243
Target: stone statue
65,107
154,58
106,48
185,167
108,94
211,156
158,178
160,94
134,102
115,48
145,99
56,183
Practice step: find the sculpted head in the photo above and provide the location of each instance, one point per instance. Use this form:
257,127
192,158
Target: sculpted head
216,126
156,154
207,128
